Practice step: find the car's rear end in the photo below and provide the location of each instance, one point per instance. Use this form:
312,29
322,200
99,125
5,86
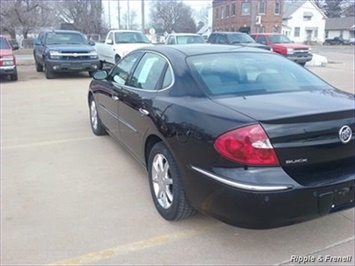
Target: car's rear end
293,160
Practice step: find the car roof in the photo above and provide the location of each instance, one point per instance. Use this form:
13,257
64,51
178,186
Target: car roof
265,33
185,34
64,31
228,32
199,49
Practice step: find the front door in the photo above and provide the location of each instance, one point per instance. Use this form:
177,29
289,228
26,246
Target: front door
136,101
109,93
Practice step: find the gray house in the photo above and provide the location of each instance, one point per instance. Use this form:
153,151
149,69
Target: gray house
340,27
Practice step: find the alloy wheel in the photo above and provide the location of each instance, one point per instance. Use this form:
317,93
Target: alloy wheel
162,181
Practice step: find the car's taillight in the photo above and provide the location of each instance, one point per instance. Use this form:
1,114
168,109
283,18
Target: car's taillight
248,145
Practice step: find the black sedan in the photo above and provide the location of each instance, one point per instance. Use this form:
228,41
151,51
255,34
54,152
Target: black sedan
238,133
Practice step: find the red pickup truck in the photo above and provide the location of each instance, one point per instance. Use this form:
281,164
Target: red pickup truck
283,45
7,59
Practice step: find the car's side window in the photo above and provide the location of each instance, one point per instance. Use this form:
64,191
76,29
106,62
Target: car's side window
221,39
148,72
168,78
40,37
121,72
171,40
261,39
110,37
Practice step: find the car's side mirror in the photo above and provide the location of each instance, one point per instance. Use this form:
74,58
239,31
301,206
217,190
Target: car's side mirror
109,42
100,75
15,46
91,43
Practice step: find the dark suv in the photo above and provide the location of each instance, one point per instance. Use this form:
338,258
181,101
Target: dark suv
64,51
235,38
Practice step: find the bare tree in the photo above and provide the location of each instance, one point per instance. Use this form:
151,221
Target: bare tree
129,20
26,16
172,15
333,8
85,16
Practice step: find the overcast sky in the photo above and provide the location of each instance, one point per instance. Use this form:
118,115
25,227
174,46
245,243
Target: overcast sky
136,6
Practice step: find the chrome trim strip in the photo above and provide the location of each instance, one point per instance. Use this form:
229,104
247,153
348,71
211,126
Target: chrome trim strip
237,184
8,67
127,124
119,119
109,112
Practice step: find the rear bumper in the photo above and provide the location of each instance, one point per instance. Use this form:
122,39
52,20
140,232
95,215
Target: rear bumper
263,198
73,65
8,70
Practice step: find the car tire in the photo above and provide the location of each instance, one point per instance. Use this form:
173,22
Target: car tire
96,125
166,186
14,76
39,67
302,64
49,74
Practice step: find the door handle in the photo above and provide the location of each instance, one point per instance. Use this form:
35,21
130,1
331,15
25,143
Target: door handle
115,98
143,111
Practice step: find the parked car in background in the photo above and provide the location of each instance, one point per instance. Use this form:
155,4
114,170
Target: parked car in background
118,43
235,38
238,133
336,41
184,38
64,51
7,59
281,44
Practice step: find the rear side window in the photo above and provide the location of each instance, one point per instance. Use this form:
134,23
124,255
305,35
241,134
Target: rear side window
261,39
251,74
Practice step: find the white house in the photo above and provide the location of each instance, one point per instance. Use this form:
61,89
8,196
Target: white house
303,22
340,27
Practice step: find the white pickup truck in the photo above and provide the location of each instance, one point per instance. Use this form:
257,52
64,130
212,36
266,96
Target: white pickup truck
118,43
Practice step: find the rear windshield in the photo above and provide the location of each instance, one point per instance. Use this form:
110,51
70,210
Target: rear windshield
64,38
4,44
279,39
240,38
130,37
251,74
189,39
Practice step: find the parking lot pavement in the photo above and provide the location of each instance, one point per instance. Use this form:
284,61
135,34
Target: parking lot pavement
71,198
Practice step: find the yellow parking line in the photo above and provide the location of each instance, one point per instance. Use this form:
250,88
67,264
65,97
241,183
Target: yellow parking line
45,143
132,247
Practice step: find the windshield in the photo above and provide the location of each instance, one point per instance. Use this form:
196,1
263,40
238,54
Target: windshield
189,39
64,38
279,39
4,44
130,37
251,74
240,38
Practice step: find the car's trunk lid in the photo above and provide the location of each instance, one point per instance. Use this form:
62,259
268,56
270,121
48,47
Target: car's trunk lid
309,131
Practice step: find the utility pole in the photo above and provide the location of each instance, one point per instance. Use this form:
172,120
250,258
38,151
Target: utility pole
109,13
254,10
118,14
143,26
128,16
